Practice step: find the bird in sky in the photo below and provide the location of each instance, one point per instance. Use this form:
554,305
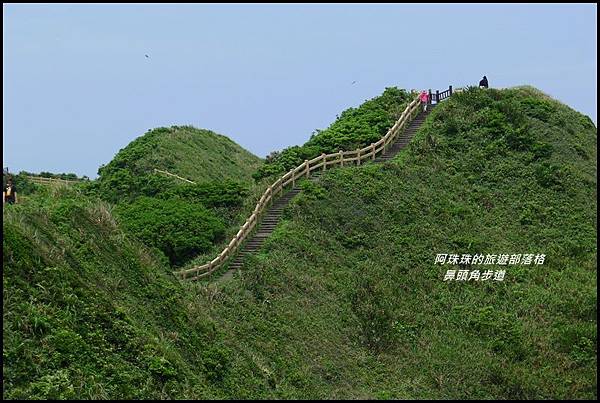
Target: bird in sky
148,57
353,82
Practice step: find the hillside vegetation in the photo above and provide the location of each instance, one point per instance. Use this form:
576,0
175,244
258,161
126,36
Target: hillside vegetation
354,128
345,300
179,218
90,313
195,154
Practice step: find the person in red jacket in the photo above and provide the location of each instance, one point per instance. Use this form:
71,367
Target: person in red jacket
424,97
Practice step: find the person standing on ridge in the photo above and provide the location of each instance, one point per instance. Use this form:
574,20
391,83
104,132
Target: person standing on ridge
483,83
424,97
9,193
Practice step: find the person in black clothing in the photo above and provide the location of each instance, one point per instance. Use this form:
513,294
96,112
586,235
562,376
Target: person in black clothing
9,193
483,83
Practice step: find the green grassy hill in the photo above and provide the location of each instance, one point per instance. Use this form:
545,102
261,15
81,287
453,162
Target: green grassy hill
195,154
345,300
348,299
182,220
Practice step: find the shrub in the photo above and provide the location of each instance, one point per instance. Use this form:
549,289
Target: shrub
212,194
551,176
178,228
373,308
216,363
24,185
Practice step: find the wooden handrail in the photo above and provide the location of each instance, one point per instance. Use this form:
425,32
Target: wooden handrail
363,154
43,179
173,175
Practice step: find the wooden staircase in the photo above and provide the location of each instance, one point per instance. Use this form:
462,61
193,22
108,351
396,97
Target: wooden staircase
273,214
405,137
265,228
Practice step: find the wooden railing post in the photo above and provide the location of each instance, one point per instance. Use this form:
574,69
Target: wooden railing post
307,171
358,156
450,90
324,163
341,158
437,96
373,150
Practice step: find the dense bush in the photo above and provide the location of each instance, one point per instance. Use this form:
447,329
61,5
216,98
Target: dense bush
69,176
124,186
179,228
354,128
45,174
212,194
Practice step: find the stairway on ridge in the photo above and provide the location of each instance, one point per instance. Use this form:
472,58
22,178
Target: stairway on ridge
271,217
403,139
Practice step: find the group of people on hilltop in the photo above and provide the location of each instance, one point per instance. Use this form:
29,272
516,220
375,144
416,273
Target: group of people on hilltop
424,95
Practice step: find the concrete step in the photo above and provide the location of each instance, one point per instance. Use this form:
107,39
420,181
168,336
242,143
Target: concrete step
254,242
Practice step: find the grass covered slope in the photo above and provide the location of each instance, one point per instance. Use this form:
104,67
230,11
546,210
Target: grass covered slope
346,301
89,313
196,154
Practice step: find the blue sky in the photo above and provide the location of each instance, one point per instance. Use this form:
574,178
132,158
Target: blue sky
77,86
